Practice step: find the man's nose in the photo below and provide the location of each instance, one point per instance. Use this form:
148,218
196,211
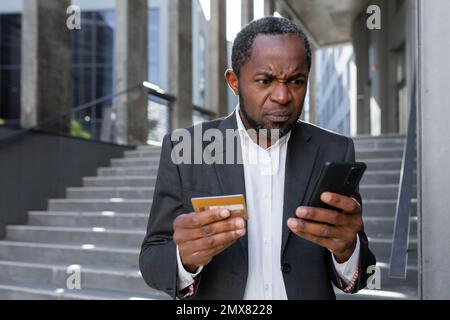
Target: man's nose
281,94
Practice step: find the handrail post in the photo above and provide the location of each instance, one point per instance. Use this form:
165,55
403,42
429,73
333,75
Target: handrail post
399,251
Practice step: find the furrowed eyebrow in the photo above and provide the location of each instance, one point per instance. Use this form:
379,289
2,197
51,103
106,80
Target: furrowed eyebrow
265,74
271,76
298,75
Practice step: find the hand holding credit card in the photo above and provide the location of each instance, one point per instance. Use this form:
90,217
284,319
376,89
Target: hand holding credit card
203,234
234,203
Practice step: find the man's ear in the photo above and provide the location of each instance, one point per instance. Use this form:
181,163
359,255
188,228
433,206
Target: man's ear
232,81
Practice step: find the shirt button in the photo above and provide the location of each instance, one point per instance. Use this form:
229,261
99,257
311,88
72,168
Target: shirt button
286,268
266,286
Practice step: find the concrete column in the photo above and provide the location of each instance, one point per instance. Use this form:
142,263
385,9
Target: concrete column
411,45
218,58
396,40
313,89
384,111
269,7
434,148
247,12
377,74
388,92
180,62
130,62
45,72
360,39
281,9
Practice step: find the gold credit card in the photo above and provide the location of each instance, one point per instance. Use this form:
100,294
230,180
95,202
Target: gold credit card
234,203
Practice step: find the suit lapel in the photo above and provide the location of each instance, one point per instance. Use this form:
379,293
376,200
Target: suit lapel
300,159
231,176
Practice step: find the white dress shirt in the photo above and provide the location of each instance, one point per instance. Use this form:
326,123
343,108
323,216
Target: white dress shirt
264,172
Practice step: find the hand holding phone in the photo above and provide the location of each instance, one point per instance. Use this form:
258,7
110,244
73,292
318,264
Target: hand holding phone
336,177
333,227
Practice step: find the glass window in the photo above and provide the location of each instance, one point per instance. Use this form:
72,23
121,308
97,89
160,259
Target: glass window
92,66
202,69
10,48
158,119
154,46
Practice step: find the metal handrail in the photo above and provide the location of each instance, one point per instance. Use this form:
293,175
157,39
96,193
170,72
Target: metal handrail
204,111
151,91
399,250
156,91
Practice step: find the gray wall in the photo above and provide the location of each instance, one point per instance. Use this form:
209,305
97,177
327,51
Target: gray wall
39,166
434,148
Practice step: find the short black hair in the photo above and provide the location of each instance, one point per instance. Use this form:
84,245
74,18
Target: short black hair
242,46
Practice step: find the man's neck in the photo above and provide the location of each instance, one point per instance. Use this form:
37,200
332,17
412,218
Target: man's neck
261,140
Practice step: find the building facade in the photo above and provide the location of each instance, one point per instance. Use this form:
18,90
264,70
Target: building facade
92,64
336,89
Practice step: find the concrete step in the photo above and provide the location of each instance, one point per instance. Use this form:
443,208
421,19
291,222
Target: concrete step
383,177
382,163
141,154
384,208
411,275
379,144
128,171
359,145
390,288
118,280
33,291
380,177
375,147
147,162
113,204
379,141
383,227
381,247
104,219
149,149
387,191
65,235
128,181
384,136
375,153
393,292
373,164
110,192
69,254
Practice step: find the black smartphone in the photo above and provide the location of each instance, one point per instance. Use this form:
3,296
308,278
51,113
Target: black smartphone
337,177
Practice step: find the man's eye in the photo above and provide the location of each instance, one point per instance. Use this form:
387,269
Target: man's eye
263,81
297,82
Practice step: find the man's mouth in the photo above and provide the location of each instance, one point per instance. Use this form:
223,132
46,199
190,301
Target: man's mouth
278,116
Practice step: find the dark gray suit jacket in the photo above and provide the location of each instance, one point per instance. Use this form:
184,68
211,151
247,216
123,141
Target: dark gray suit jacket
308,269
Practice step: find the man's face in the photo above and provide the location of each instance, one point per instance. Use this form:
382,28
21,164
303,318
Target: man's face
273,83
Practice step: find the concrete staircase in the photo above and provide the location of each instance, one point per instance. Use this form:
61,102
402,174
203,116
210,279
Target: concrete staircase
98,227
379,190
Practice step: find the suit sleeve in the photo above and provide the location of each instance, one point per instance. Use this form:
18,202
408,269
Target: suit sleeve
366,257
158,258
